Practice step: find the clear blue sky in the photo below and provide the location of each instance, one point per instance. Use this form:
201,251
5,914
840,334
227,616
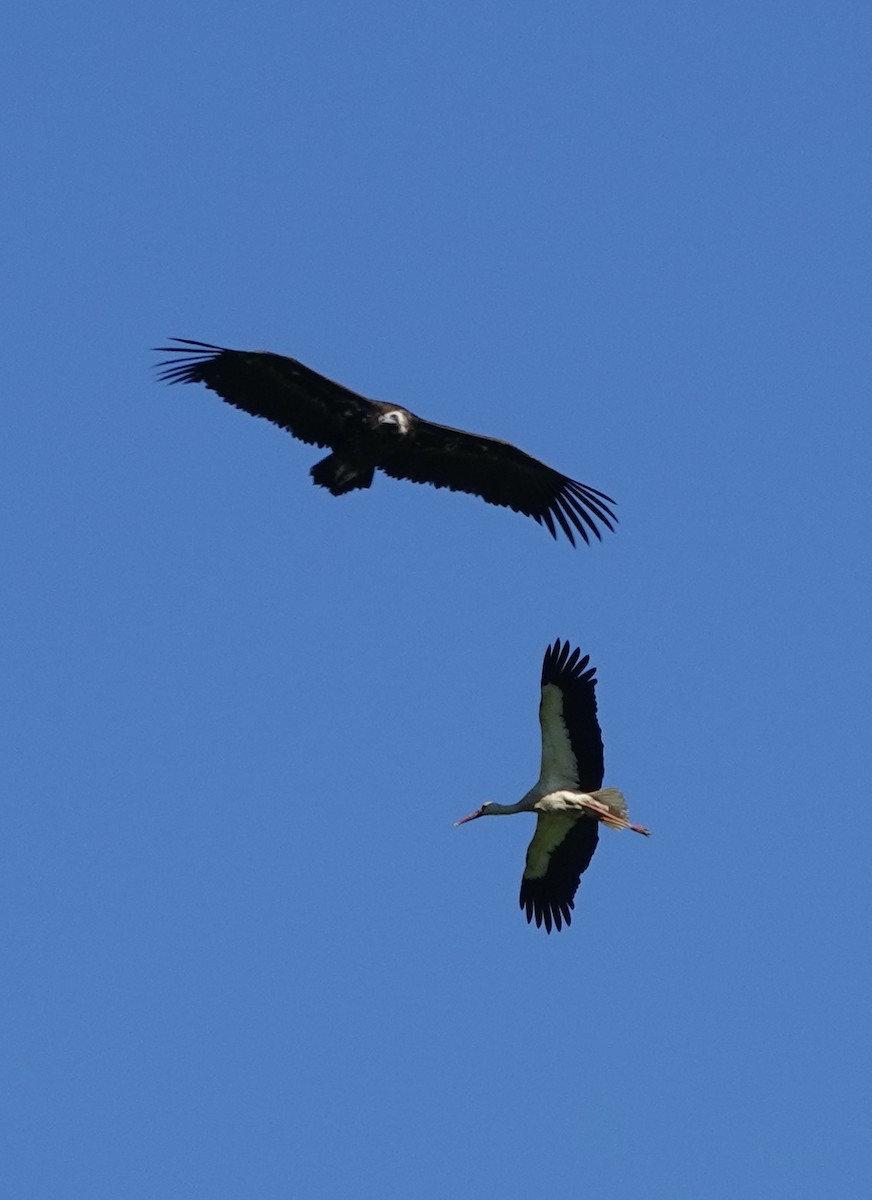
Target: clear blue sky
245,952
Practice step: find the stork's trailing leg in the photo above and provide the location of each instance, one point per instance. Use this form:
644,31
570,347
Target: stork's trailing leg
604,814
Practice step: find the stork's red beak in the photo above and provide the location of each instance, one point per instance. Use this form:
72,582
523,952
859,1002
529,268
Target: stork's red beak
471,817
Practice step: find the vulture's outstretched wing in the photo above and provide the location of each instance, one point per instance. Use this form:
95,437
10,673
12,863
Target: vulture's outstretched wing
572,744
282,390
558,855
500,474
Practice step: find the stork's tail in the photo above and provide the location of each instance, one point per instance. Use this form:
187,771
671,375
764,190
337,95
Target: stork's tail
613,800
611,808
340,476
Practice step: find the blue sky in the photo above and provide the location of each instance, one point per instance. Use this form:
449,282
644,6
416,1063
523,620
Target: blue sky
245,951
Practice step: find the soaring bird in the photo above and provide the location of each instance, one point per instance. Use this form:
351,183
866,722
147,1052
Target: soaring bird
368,435
568,796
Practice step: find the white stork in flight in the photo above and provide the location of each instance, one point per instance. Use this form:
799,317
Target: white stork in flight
567,796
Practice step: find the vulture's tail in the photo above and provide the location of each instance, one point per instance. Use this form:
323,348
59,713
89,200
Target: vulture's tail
339,475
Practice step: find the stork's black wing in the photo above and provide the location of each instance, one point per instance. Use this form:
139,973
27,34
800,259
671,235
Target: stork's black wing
501,474
559,853
572,744
284,391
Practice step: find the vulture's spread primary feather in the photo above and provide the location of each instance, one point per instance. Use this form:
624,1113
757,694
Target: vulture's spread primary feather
568,797
368,435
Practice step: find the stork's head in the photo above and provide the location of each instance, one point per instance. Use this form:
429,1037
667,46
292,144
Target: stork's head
395,420
486,810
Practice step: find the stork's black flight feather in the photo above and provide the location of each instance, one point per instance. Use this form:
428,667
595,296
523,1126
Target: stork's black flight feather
368,435
575,680
551,897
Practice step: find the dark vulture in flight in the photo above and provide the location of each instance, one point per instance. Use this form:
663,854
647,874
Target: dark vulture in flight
568,797
368,435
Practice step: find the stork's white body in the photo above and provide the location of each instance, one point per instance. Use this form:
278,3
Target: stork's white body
567,797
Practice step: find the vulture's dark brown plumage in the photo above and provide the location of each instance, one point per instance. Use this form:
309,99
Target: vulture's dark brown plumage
368,435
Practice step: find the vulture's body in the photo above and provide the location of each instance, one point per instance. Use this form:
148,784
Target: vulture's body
369,435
